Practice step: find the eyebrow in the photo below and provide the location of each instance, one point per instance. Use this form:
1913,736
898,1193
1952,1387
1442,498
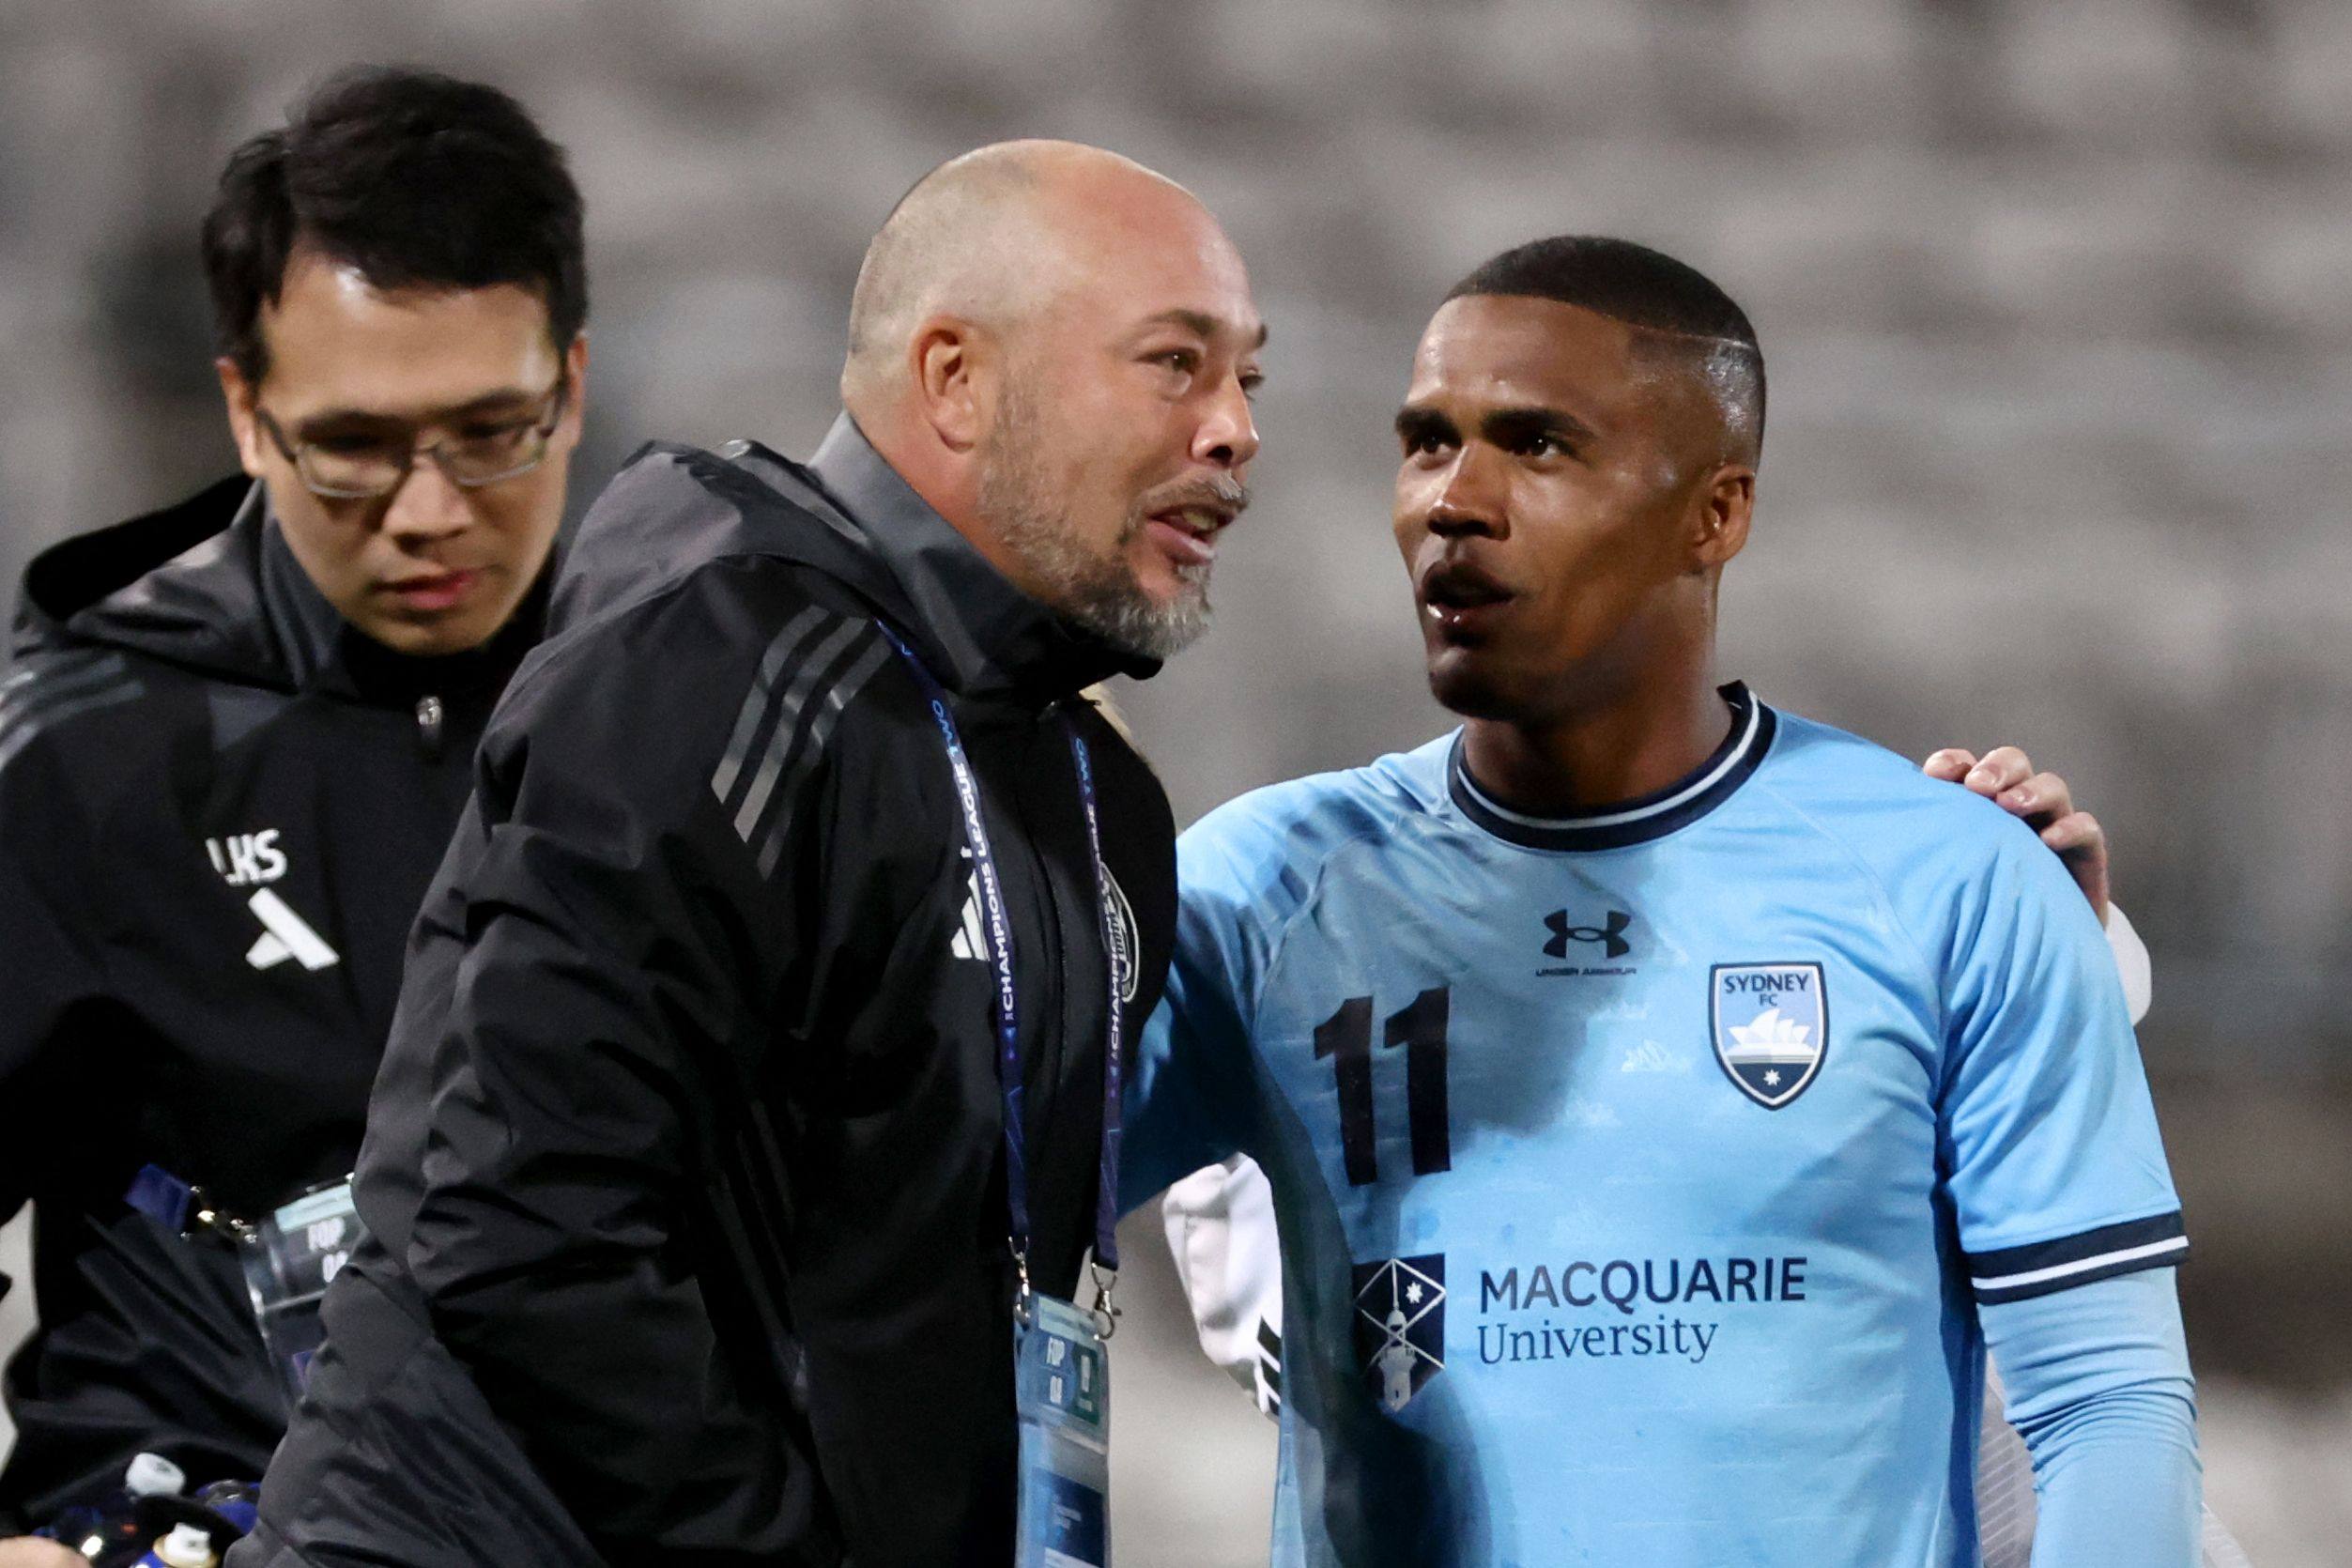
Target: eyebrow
1503,427
1202,324
1416,422
1508,426
500,400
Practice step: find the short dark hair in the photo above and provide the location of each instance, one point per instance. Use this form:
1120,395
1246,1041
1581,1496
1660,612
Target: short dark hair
1651,292
416,180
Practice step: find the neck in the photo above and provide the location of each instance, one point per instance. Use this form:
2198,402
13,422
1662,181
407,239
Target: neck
946,484
1632,739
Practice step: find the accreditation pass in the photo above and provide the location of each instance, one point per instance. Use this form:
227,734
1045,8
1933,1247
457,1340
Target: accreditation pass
1062,1385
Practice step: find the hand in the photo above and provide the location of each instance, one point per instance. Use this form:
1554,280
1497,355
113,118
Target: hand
31,1551
2006,776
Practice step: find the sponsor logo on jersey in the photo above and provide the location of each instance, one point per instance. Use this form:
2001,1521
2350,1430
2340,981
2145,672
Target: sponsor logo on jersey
1600,945
1610,934
1606,1309
1400,1325
254,860
1770,1023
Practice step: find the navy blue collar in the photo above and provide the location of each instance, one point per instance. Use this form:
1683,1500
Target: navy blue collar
1643,818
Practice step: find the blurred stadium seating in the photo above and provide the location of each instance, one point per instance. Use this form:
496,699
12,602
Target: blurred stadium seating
2056,294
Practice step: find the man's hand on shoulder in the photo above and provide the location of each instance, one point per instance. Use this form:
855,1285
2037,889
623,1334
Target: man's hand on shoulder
2006,776
31,1551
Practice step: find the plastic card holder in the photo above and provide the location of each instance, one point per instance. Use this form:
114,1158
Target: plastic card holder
1062,1385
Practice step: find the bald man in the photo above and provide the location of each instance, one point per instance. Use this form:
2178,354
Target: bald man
749,1080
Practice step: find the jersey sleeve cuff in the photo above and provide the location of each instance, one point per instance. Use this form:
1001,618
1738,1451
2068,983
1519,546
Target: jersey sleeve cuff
2040,1268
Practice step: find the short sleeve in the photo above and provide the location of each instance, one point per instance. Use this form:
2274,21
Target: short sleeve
1187,1098
2056,1168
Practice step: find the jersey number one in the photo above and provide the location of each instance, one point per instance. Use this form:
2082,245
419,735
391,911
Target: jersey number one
1346,1037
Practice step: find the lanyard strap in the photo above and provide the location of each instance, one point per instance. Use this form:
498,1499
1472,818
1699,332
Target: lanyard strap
997,937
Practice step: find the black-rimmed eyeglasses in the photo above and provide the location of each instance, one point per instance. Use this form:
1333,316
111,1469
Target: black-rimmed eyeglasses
371,464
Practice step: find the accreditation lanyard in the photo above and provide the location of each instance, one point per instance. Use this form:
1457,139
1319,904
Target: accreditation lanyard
997,937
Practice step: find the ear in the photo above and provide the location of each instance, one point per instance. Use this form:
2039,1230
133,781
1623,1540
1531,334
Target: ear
576,400
952,367
244,429
1719,517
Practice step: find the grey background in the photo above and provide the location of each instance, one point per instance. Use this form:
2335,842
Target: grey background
2056,295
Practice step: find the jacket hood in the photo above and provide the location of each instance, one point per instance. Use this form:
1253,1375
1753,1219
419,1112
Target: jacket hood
182,584
209,586
848,515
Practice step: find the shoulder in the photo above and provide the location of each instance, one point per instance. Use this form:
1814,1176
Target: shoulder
1268,848
1880,807
723,691
691,645
1953,868
90,715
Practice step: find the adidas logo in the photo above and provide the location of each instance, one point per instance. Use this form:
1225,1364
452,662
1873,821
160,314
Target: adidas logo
969,941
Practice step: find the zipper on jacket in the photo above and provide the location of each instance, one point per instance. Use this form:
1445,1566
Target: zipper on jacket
429,725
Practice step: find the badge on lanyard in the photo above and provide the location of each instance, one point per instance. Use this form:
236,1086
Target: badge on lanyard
1062,1385
290,1259
1061,1356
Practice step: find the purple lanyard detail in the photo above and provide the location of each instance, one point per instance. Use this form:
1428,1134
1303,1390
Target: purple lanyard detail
997,936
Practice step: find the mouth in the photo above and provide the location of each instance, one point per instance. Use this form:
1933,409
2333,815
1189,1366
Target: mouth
1187,534
431,593
1463,599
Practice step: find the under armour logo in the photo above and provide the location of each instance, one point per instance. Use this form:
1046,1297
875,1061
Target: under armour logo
1610,936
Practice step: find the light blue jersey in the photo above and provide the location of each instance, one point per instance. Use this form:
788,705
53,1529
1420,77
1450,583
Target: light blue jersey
1641,1174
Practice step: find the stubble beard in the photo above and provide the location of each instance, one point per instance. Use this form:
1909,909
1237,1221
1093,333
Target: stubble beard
1095,590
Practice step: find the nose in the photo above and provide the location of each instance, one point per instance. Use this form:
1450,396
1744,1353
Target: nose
427,507
1228,435
1467,501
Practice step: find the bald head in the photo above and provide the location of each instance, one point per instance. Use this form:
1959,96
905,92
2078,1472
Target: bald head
1056,348
990,237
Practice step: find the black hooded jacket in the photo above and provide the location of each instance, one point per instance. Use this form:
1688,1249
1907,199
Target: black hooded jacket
189,729
685,1174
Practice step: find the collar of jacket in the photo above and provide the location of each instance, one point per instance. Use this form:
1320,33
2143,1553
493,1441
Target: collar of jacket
986,634
210,585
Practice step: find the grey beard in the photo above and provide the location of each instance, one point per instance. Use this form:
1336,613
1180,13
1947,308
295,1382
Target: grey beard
1097,593
1100,593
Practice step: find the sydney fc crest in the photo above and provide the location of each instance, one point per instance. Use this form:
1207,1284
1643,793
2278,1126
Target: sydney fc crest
1400,1325
1771,1027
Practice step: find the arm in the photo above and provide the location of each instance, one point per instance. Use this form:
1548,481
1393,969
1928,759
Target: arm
1188,1100
51,966
51,962
616,948
2098,1388
1219,1224
2066,1213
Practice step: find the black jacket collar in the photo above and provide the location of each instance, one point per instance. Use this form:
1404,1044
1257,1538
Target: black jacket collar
987,634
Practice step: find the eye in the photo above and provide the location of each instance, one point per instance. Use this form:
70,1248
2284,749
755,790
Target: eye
1251,381
1184,362
492,435
1541,445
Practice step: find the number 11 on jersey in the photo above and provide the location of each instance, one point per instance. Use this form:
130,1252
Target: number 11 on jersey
1346,1037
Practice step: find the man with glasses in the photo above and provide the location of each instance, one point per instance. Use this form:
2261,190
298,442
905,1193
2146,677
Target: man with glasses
232,747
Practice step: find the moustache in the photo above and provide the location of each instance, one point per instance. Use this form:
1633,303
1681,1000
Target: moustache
1222,493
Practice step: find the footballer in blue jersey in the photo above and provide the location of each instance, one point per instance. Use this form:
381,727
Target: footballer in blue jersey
1668,1101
